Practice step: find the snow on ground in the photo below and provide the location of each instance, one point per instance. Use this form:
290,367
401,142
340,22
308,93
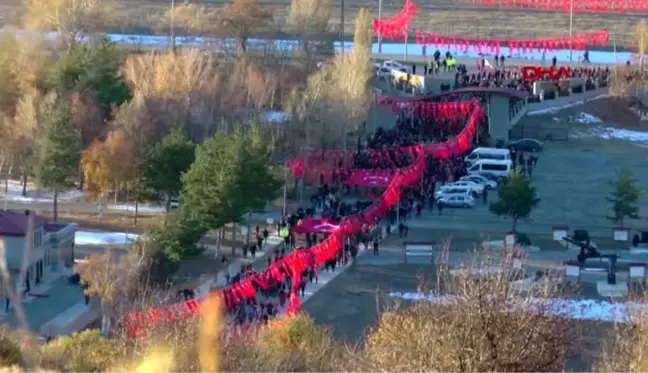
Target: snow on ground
140,208
611,133
103,238
14,193
585,118
576,309
555,109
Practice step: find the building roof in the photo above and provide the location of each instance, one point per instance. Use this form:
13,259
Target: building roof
14,224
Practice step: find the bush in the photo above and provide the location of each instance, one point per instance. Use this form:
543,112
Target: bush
86,351
10,353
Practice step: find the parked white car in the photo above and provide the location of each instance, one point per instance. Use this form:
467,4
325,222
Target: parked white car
452,191
457,201
470,185
479,179
395,65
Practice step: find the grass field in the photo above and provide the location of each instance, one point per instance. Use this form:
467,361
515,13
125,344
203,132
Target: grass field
449,17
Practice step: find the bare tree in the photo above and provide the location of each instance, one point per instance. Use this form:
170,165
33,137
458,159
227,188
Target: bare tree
71,19
188,18
632,79
336,98
174,89
308,19
113,279
241,19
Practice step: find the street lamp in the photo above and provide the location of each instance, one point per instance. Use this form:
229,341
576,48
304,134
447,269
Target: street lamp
173,25
380,31
571,27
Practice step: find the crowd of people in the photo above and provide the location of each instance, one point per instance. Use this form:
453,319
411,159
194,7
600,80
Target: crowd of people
409,130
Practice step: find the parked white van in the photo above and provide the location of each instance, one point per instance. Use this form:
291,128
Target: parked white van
495,167
487,153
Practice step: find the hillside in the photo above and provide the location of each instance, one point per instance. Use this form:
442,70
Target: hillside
454,17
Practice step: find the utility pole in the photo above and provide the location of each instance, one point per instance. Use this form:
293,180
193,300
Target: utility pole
380,2
406,36
173,39
571,29
285,188
342,25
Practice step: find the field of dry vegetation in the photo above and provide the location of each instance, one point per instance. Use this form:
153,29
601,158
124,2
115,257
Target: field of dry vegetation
451,17
488,326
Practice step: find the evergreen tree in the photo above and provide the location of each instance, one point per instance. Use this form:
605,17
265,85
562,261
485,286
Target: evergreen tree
92,69
230,177
624,197
59,150
164,165
210,186
516,198
257,184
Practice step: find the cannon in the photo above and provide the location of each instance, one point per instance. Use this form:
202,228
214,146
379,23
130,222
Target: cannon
588,251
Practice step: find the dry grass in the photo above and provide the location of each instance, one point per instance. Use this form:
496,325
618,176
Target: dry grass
449,17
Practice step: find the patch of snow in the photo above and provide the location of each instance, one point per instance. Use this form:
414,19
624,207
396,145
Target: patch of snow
611,133
103,238
555,109
576,309
585,118
15,188
642,115
140,208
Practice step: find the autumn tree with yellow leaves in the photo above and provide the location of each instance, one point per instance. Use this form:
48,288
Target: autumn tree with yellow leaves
110,165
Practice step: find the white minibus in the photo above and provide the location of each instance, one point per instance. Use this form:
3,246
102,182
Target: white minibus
487,153
495,167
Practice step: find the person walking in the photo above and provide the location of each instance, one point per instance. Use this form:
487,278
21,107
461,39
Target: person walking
375,248
485,196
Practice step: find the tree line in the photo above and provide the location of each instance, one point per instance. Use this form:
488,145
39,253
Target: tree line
80,112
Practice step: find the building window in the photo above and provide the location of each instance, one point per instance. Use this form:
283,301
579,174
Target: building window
38,238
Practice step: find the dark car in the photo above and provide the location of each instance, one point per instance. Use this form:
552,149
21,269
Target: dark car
526,145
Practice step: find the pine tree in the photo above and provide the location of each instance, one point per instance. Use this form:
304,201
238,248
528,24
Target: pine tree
516,198
230,177
164,165
59,151
624,197
209,187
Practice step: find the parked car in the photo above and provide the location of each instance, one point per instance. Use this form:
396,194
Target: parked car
526,145
490,176
471,185
482,180
457,201
456,190
395,65
384,72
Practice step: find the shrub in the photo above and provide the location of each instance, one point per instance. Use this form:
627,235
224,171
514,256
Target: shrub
10,353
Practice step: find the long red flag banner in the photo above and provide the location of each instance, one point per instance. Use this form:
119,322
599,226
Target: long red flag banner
579,41
396,26
293,264
316,165
591,6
